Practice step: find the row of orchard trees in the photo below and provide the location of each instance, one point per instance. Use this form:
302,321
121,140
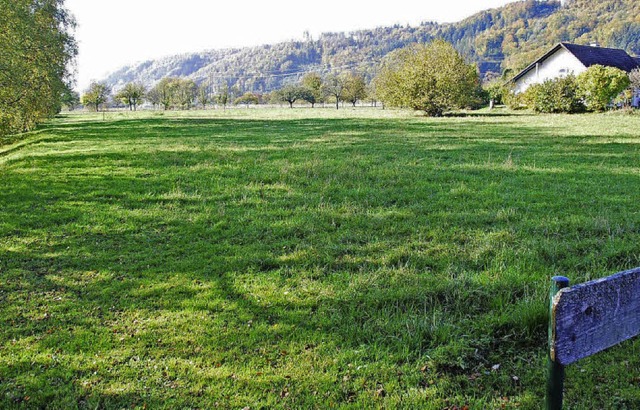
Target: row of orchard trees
348,87
429,77
184,94
168,93
36,50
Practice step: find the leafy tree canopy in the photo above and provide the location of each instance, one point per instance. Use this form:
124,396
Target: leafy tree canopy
96,95
132,94
599,85
36,51
430,77
292,93
355,88
312,82
247,98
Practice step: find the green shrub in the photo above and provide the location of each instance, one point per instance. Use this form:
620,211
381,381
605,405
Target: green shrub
599,85
496,90
514,101
559,95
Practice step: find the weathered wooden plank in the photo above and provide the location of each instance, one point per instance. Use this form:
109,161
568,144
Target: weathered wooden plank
594,316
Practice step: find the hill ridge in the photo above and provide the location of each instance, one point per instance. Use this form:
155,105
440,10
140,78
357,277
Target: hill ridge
497,40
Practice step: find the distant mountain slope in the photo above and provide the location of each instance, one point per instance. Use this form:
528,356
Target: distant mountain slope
506,38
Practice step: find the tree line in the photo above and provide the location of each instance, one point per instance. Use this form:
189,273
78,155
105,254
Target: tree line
174,93
504,38
431,77
36,50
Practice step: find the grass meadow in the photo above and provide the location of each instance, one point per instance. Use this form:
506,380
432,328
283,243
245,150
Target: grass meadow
255,259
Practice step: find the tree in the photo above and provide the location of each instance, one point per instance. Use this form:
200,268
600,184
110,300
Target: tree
234,92
70,99
247,98
432,78
355,88
599,85
312,83
97,94
291,93
37,48
223,96
496,90
185,93
372,93
334,86
154,97
132,95
204,94
163,92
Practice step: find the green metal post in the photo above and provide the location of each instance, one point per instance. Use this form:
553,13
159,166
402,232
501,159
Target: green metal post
555,375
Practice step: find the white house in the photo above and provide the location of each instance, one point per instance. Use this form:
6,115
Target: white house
567,58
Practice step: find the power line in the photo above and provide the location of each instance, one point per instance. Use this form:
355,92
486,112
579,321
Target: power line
280,74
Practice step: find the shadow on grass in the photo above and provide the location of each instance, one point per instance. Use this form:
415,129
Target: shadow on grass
198,260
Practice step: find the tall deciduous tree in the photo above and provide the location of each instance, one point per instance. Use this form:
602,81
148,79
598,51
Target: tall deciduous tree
96,95
36,51
334,86
428,77
70,99
355,88
163,92
132,94
291,93
153,96
204,94
174,92
223,95
185,93
312,82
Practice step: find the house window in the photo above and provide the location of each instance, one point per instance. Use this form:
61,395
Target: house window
563,72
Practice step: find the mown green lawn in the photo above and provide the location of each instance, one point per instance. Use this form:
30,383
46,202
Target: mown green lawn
308,258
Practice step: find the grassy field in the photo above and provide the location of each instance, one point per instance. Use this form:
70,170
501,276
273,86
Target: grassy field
308,258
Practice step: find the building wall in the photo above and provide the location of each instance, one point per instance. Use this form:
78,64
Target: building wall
560,64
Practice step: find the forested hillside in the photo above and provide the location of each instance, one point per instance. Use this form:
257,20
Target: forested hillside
507,38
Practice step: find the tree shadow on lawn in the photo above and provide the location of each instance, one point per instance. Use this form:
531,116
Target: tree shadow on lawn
303,128
171,296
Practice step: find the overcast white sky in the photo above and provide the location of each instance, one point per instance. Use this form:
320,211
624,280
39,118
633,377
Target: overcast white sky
114,33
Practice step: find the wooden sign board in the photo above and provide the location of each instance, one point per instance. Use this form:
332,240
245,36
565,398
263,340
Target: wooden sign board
591,317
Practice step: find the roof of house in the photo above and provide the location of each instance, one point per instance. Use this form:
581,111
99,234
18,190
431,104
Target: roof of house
611,57
590,55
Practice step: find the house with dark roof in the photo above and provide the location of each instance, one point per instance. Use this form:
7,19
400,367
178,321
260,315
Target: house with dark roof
567,58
